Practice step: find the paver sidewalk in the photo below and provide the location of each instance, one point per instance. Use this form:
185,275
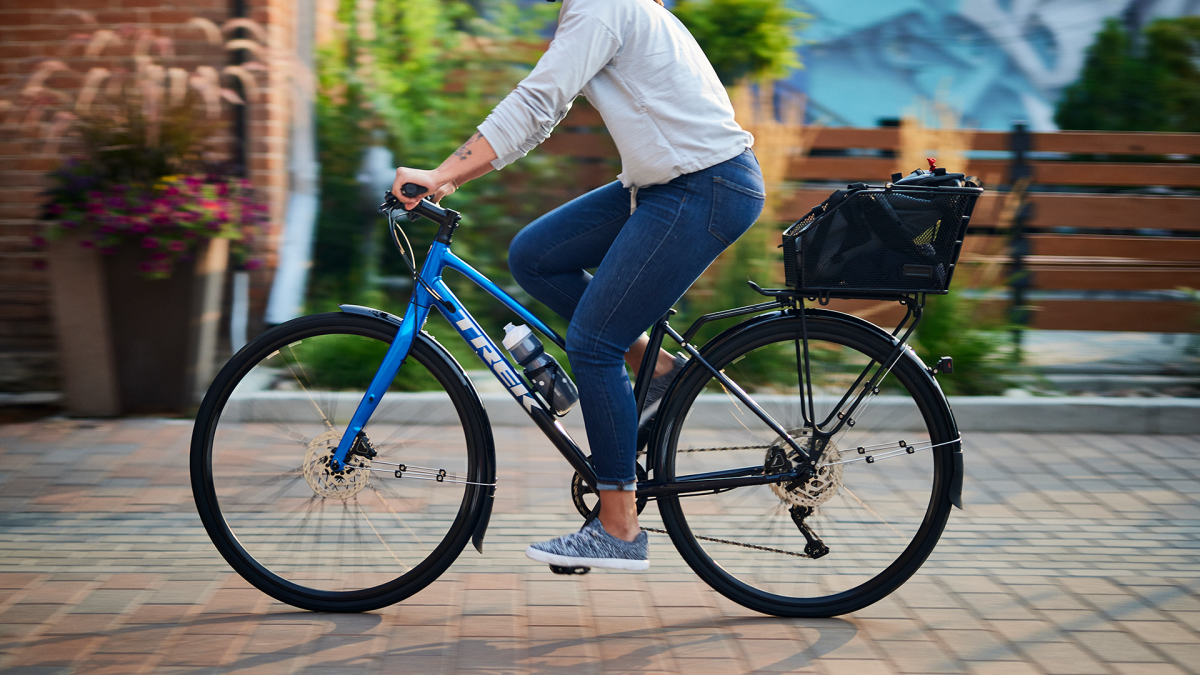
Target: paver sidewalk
1076,554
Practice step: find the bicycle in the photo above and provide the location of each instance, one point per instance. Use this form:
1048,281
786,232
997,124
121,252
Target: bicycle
765,458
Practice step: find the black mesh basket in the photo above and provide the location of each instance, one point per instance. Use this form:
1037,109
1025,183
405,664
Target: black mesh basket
898,239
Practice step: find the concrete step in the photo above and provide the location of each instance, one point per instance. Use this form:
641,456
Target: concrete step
1070,414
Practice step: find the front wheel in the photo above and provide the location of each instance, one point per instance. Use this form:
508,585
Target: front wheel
374,533
857,530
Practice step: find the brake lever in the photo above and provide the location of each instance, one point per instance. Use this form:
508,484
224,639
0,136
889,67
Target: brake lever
391,203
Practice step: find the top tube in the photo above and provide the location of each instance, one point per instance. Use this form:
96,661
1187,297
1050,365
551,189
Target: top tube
440,257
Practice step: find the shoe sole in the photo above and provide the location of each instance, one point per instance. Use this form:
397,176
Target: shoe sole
603,563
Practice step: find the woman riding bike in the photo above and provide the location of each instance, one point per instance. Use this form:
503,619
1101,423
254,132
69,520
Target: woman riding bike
689,187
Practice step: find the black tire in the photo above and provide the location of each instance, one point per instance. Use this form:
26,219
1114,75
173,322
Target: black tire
880,520
363,539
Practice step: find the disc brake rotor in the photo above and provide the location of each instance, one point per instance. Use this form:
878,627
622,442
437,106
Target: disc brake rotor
342,484
816,490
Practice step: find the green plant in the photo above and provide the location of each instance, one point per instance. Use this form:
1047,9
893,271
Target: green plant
951,326
140,168
744,38
348,363
167,217
1127,86
417,77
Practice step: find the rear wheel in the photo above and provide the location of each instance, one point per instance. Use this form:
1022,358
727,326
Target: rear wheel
357,539
850,535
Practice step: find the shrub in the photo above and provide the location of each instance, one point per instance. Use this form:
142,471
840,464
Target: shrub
744,38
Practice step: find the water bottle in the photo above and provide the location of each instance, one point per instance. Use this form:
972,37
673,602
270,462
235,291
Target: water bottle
541,368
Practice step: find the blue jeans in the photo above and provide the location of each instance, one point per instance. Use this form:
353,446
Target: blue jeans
644,263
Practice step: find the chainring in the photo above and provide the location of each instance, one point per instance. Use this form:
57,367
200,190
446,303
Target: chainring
342,484
579,488
816,490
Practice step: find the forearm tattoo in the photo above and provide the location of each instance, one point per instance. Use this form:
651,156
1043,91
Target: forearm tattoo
463,152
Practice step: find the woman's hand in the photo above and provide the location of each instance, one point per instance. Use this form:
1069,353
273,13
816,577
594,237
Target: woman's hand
469,162
436,187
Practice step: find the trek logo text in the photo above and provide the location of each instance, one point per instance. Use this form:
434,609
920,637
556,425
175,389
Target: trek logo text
489,354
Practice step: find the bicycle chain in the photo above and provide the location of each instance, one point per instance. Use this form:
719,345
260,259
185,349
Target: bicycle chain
756,547
732,447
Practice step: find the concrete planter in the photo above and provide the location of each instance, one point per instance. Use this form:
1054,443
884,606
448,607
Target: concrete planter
130,345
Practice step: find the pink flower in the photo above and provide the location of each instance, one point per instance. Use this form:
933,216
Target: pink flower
149,242
87,243
253,264
177,245
171,191
139,227
38,241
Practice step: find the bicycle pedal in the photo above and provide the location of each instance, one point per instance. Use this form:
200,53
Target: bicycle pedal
569,570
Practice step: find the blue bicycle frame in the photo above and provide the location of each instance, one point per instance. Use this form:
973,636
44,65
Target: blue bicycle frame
430,291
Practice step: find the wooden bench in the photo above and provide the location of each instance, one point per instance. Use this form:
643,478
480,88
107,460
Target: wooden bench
1097,260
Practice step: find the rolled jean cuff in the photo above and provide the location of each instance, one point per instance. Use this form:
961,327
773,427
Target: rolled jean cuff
624,487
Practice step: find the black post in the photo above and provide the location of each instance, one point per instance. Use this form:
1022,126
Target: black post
1020,174
241,113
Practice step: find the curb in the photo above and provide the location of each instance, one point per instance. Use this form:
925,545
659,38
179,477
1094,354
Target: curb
1093,414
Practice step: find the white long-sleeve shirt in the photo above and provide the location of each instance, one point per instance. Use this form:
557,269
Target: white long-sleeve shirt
636,63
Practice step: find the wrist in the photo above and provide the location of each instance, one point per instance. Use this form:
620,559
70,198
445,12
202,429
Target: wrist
440,178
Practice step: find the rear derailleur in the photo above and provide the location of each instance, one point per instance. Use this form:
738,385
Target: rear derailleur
778,462
815,548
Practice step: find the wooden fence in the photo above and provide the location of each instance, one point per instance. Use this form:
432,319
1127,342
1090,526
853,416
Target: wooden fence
1111,221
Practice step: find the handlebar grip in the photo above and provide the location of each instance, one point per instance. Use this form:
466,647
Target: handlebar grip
411,190
425,207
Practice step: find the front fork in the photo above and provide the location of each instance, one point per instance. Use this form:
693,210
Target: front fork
414,318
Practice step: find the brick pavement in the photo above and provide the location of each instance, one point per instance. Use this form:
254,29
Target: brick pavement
1080,558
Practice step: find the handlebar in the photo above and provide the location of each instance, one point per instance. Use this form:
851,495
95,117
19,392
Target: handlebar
425,207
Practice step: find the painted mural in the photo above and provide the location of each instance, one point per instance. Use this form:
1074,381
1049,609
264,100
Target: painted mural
995,61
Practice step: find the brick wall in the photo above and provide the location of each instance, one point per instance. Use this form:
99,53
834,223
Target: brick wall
34,31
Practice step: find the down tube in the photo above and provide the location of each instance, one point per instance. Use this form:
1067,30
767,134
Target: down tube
485,349
493,358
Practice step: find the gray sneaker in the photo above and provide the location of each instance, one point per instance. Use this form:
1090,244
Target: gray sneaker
658,387
592,546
